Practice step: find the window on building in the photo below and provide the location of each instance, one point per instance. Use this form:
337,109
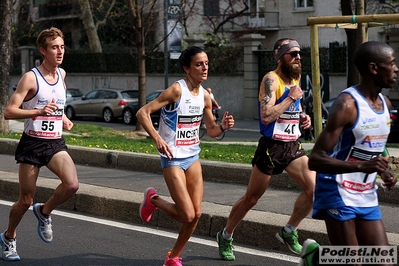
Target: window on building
36,3
257,8
211,8
303,3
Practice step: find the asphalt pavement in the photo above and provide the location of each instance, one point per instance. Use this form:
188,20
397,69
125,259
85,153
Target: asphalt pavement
112,185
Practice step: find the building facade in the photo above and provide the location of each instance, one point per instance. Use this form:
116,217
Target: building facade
254,24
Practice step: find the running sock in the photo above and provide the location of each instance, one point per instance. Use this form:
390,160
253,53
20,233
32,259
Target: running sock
226,235
7,238
41,211
289,228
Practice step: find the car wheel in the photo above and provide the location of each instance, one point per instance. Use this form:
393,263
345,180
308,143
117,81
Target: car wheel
70,113
107,115
128,117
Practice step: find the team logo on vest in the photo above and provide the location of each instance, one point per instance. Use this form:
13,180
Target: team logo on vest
194,109
60,102
376,141
388,122
292,107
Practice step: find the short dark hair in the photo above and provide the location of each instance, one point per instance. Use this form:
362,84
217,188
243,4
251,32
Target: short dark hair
188,54
369,52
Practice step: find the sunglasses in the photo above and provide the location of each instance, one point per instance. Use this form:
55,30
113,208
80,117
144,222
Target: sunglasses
294,54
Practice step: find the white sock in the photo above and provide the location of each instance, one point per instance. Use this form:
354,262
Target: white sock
289,228
226,235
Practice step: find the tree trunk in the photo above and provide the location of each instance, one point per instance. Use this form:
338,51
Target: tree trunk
135,11
141,55
90,28
5,55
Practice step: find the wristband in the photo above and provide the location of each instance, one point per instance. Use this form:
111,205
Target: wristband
292,98
221,128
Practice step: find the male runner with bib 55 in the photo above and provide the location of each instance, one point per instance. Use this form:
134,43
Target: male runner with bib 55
41,92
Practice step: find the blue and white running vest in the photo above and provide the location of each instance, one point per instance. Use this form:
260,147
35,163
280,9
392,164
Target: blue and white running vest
47,126
287,126
365,140
179,127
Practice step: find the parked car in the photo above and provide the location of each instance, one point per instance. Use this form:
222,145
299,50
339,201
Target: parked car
329,103
73,94
394,115
107,104
130,110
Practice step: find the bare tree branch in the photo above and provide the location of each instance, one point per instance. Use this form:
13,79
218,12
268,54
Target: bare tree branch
229,17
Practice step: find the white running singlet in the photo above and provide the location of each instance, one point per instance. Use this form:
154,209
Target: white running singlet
365,140
47,126
179,127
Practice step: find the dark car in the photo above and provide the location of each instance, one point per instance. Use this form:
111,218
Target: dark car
130,110
394,115
329,103
107,104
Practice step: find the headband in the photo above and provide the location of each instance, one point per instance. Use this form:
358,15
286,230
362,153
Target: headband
284,48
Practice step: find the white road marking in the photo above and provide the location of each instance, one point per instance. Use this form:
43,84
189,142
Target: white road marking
143,229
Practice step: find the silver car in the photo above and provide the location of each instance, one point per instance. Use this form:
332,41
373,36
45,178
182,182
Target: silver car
73,94
101,103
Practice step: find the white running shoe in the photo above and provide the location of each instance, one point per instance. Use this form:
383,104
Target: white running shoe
9,249
44,228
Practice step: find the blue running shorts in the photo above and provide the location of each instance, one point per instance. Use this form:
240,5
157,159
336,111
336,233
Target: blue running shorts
348,212
183,163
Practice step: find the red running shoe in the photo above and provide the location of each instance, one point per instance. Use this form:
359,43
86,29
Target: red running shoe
146,207
172,261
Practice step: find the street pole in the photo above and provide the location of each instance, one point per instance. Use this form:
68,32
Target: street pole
166,50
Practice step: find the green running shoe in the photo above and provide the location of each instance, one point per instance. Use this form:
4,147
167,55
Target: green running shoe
225,247
291,240
310,253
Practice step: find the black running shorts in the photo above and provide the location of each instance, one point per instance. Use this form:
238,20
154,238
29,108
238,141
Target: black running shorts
38,152
273,156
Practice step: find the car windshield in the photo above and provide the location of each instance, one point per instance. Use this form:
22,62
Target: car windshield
130,94
152,96
75,93
395,104
91,95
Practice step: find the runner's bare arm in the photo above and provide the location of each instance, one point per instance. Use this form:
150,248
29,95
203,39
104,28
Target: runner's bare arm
267,97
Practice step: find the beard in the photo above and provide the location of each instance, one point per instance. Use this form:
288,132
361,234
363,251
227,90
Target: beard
289,71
